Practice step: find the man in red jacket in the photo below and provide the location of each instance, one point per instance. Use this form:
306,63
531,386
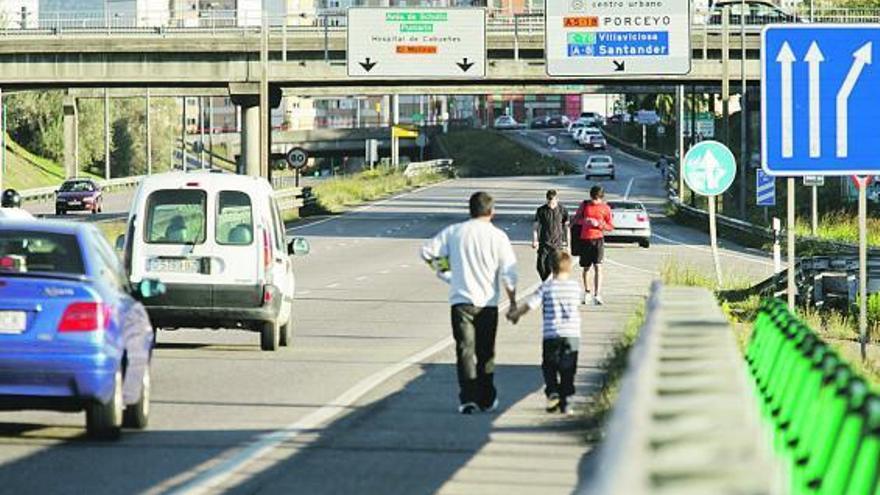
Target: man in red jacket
594,217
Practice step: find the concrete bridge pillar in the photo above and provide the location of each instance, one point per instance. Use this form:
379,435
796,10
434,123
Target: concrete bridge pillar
247,96
71,137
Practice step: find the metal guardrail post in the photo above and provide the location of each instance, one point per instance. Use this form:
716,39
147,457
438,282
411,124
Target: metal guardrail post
326,39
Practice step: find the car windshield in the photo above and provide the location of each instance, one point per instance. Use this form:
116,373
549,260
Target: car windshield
176,217
600,160
625,205
77,186
23,251
235,220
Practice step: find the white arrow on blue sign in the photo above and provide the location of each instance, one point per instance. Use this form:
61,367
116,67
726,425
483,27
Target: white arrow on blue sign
765,190
819,96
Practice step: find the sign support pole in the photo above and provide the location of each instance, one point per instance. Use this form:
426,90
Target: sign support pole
681,151
791,243
713,239
815,208
863,268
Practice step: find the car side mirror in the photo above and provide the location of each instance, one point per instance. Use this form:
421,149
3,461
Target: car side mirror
298,246
149,288
120,243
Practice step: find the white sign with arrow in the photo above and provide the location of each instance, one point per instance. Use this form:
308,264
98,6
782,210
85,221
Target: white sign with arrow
417,43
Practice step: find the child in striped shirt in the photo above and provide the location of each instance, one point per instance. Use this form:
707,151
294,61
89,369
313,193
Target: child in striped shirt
560,298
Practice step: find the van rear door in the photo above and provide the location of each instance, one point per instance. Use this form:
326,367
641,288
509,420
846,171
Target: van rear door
238,245
173,245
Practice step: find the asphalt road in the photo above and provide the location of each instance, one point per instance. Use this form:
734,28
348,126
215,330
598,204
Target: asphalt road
364,400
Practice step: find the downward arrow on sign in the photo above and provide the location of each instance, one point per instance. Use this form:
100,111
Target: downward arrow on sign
464,65
368,65
619,66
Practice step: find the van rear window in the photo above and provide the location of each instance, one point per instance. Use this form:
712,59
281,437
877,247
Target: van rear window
176,216
235,219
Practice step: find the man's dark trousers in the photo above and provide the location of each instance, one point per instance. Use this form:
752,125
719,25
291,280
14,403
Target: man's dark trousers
560,365
545,258
474,330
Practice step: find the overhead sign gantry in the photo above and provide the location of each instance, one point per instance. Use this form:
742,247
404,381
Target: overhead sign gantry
417,43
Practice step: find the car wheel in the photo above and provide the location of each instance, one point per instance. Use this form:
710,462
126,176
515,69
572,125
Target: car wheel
103,421
645,244
137,415
269,336
286,337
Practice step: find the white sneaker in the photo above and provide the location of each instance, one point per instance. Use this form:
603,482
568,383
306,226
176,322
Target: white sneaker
597,301
467,408
586,298
492,408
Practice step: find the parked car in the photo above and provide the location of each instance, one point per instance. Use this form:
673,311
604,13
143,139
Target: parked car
73,335
218,243
79,195
757,12
557,122
631,223
538,123
506,122
599,166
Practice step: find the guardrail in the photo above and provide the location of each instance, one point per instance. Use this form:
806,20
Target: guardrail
685,420
296,198
825,420
441,166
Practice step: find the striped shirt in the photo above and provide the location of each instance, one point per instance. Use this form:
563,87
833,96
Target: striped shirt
561,301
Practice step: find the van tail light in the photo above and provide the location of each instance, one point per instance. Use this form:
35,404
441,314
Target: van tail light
267,251
641,218
84,317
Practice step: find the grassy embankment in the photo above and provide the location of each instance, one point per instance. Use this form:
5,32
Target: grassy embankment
479,153
841,227
839,330
24,170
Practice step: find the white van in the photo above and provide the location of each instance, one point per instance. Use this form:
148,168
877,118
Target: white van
217,241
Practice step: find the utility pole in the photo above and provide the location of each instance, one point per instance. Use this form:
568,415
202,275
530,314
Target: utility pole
211,129
265,120
201,133
745,160
149,137
106,134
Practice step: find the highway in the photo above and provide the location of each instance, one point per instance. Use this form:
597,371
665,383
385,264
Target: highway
364,401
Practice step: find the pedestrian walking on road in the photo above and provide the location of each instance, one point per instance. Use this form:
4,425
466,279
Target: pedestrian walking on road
560,297
550,232
594,219
476,259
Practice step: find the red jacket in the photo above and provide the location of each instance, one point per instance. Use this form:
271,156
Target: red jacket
597,211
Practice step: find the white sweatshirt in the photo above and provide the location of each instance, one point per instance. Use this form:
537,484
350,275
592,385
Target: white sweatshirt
481,259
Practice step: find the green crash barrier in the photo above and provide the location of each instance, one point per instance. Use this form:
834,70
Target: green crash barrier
825,420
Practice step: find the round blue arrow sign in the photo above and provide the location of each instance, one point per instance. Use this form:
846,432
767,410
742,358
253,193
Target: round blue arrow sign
709,168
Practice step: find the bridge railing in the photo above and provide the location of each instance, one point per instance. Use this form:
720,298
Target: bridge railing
220,22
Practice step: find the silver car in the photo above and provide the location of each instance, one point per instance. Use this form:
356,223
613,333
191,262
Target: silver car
631,223
599,166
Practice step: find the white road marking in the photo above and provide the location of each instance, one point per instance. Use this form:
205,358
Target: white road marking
404,266
631,267
384,272
361,279
303,292
629,188
333,286
212,478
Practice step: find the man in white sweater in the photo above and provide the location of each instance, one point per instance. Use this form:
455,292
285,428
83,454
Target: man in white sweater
476,259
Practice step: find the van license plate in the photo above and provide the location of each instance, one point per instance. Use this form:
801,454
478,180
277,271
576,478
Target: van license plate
13,322
175,265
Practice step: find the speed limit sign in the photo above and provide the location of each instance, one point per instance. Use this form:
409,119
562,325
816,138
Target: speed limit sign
297,157
551,141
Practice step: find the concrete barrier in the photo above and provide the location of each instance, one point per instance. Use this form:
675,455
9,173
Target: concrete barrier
686,420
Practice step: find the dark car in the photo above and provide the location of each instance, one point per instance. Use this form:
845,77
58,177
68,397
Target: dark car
79,195
757,13
73,334
557,122
538,123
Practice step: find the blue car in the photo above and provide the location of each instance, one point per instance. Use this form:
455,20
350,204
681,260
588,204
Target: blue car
73,333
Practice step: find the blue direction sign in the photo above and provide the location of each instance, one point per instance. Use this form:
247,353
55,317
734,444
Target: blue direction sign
766,189
709,168
819,100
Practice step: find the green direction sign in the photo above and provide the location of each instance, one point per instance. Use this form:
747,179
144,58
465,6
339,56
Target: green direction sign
709,168
417,117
